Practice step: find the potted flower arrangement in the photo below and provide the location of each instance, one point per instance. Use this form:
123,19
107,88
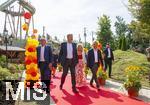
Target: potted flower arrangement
101,76
133,77
59,67
86,71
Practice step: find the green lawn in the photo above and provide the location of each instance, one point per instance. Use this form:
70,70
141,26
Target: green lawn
125,58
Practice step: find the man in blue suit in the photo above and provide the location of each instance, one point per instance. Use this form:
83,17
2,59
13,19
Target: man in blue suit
68,59
108,58
93,61
44,58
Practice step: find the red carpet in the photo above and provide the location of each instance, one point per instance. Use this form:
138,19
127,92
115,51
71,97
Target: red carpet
88,95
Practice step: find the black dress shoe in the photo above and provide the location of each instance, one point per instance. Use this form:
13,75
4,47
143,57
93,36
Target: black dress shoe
47,91
43,89
60,87
91,85
75,91
109,76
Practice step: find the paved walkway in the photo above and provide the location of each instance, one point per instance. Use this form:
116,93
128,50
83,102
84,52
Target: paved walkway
144,94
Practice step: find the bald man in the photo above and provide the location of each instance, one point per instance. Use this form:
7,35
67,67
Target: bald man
93,61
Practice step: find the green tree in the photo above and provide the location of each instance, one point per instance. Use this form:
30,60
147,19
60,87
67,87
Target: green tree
121,27
88,45
104,33
140,32
140,10
120,43
129,39
124,44
140,27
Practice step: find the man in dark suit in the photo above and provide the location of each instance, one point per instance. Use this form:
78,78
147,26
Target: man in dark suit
93,61
108,58
68,59
44,58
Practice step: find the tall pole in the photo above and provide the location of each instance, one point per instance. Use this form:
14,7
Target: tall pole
5,32
92,36
85,36
64,39
43,31
79,38
20,27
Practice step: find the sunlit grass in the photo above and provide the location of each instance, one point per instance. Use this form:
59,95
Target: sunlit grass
124,59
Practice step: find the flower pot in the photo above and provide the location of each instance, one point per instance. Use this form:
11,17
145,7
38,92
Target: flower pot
148,59
101,81
132,92
60,68
13,71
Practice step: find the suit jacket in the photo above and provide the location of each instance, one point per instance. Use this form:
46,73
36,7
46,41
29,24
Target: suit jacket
47,54
91,58
63,54
106,54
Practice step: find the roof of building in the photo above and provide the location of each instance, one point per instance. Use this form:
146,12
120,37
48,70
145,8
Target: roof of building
11,48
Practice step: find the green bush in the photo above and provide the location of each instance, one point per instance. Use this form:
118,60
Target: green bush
15,68
4,74
21,67
15,76
3,61
11,66
124,44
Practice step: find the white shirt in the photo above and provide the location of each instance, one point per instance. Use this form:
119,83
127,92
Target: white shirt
42,53
109,54
69,51
96,55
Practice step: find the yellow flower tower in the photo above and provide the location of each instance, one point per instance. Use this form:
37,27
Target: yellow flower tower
32,73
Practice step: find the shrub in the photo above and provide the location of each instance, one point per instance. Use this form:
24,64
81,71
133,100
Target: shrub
11,67
21,67
124,44
3,61
4,74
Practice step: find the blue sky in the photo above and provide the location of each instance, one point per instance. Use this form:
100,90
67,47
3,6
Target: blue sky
71,16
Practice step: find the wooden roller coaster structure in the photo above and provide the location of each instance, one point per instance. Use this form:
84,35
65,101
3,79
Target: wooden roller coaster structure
14,10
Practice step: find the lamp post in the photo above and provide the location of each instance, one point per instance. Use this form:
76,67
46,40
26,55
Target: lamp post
93,36
11,39
85,36
43,31
0,39
79,38
6,42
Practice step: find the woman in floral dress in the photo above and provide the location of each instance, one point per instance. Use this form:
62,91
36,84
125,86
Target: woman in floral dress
80,75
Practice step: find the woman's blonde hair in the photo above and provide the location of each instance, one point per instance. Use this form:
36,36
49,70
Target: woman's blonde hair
78,45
